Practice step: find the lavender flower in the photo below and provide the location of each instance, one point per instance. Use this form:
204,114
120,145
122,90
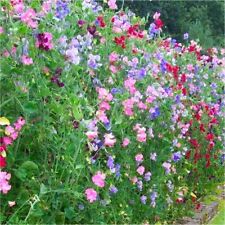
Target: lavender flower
62,9
139,185
143,199
113,189
147,176
186,36
110,163
153,197
93,61
117,168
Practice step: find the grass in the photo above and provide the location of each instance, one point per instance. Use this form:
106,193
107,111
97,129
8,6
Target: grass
219,218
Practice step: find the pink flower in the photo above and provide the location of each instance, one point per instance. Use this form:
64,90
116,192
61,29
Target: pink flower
91,134
141,170
102,116
141,136
26,60
112,4
91,195
9,130
4,182
126,142
103,94
129,85
109,140
139,157
28,18
156,16
128,107
113,57
141,105
19,123
1,30
7,140
18,8
14,135
11,203
104,106
113,69
99,179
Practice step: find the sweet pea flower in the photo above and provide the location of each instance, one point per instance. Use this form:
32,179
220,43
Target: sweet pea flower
112,4
109,140
139,158
4,182
99,179
113,57
141,170
11,203
91,135
126,142
1,30
28,17
91,195
26,60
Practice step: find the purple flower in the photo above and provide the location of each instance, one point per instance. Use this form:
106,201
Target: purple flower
154,113
80,23
62,9
147,176
110,163
81,207
113,189
117,167
153,156
176,156
163,66
143,199
139,185
93,61
153,197
186,36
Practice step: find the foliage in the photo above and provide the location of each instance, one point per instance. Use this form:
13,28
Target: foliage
116,124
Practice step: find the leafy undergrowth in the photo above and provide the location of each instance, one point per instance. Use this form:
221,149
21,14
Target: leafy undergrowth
102,121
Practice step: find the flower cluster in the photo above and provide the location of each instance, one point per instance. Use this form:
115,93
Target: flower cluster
11,133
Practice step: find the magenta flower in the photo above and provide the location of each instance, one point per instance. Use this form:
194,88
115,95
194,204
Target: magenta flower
44,41
91,195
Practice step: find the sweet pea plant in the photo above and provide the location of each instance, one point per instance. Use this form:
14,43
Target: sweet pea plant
123,124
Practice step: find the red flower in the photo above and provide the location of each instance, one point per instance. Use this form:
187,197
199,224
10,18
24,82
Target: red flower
201,127
101,21
197,116
183,78
209,137
194,143
188,155
2,161
207,164
159,23
120,41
